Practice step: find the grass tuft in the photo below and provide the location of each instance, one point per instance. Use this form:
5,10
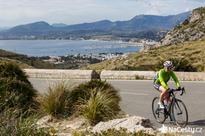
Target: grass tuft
10,125
56,101
102,105
82,92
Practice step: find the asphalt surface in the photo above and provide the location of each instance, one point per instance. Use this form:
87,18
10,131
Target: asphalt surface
137,97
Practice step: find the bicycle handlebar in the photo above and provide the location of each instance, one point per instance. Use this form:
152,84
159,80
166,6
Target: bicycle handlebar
181,89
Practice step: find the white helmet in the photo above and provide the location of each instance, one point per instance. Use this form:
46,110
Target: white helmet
168,64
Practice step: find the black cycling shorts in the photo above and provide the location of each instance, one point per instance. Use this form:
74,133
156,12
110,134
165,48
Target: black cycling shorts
156,86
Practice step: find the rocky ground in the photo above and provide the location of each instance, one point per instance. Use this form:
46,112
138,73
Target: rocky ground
65,127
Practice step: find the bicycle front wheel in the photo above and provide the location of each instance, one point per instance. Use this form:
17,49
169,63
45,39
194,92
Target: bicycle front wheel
158,113
180,113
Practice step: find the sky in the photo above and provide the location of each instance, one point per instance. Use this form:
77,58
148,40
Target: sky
16,12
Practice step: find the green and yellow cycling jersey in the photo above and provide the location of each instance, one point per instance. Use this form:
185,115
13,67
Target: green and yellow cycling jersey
163,77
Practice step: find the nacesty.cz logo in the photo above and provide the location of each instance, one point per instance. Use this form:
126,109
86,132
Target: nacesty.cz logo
166,129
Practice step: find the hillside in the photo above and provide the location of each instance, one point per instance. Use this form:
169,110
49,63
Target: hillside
189,56
186,50
47,62
191,29
14,58
23,61
19,63
141,26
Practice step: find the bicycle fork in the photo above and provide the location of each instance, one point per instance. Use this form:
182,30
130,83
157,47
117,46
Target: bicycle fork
169,111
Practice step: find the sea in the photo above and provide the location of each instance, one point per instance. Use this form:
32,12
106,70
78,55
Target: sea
40,48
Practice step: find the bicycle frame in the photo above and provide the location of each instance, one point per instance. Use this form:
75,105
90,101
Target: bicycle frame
168,112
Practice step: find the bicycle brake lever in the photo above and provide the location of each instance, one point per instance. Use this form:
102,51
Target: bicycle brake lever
183,91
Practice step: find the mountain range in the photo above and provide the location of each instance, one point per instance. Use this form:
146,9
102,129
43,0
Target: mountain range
184,45
141,26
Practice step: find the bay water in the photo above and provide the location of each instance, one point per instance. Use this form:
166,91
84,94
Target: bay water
66,47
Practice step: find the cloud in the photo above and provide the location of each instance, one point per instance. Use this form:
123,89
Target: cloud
14,12
29,10
165,7
199,0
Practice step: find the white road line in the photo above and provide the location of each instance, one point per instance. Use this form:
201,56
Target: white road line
138,94
108,80
130,80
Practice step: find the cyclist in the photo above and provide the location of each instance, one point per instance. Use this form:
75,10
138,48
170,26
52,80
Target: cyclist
160,82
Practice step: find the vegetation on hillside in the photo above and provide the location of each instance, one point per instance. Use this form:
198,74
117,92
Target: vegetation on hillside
17,103
45,62
201,10
11,125
23,61
15,89
189,56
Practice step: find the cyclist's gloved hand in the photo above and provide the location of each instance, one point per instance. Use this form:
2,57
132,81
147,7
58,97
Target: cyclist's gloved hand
179,88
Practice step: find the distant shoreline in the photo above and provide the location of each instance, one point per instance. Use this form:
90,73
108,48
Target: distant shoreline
116,41
94,47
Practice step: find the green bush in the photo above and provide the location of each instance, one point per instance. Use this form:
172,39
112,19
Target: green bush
15,89
17,102
102,105
88,98
83,91
56,101
180,64
13,71
96,100
15,93
10,125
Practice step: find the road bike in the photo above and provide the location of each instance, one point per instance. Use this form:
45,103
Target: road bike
175,109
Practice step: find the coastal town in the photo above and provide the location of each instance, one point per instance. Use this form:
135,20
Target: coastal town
80,60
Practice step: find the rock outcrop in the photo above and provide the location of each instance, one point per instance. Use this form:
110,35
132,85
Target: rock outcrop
132,124
191,29
65,127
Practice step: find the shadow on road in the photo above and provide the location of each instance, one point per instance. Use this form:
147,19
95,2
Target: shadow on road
198,123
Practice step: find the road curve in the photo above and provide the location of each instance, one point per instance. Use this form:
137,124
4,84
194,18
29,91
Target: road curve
137,96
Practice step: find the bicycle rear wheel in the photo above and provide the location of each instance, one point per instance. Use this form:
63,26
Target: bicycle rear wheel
180,113
159,114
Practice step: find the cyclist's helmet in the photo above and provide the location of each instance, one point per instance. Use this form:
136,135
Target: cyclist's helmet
168,64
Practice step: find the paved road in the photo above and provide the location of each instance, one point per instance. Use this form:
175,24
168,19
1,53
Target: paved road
137,96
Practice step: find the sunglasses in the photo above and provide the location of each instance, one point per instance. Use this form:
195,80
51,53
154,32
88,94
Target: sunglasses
170,68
